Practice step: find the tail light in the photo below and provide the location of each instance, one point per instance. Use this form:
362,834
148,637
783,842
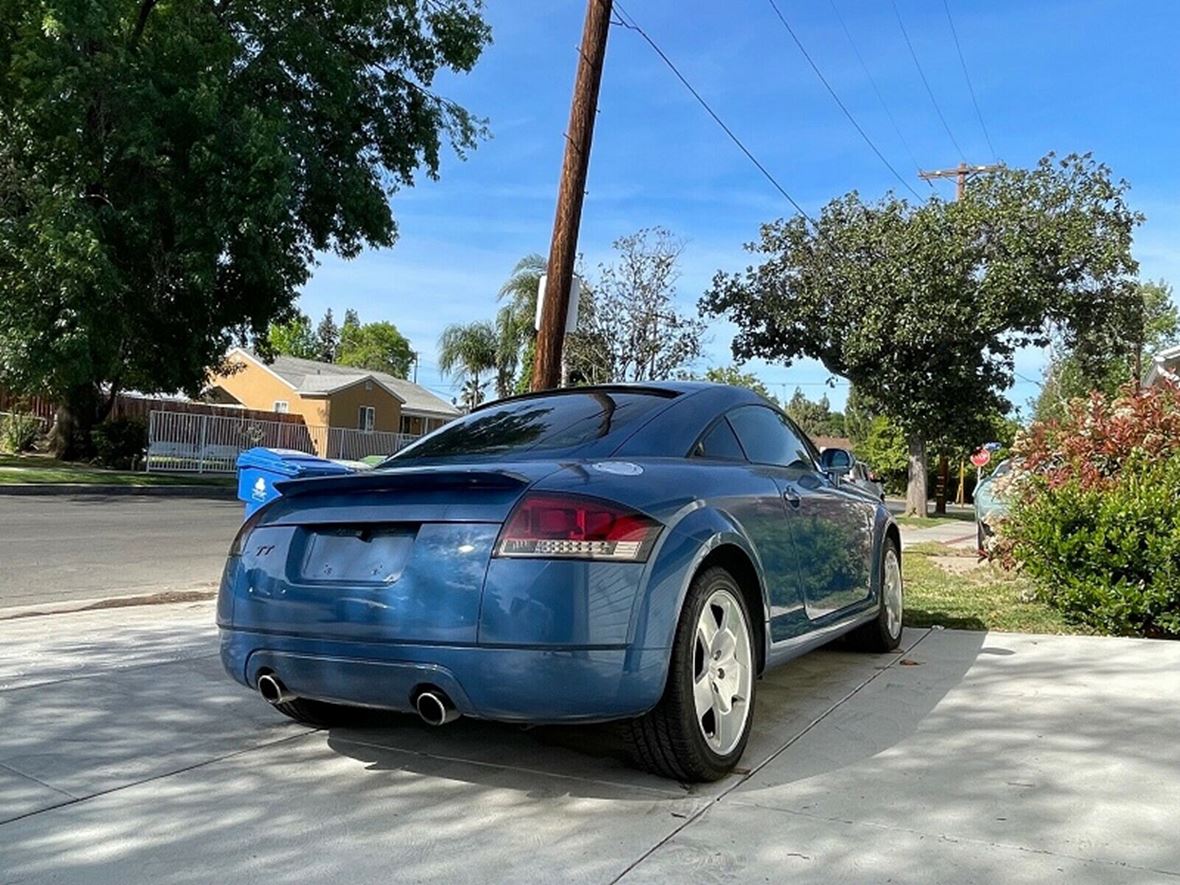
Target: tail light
239,541
572,527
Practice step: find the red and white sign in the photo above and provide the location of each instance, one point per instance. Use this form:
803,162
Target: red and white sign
980,458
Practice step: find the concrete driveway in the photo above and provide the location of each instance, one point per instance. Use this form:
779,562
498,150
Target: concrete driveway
126,756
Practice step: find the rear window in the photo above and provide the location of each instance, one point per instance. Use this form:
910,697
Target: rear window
592,422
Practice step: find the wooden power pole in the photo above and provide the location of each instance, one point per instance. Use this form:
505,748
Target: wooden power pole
572,188
959,174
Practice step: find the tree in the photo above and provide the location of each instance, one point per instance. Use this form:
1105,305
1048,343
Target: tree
815,416
379,347
168,171
467,351
1107,365
515,325
293,338
327,336
922,307
631,316
472,393
735,377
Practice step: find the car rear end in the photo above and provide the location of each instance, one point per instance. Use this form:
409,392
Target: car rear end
465,579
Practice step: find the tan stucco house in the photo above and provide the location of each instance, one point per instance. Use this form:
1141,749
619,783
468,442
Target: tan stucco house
330,395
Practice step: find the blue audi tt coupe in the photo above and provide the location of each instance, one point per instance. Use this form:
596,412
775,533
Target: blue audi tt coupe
640,553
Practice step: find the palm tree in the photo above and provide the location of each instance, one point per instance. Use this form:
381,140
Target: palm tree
467,350
515,321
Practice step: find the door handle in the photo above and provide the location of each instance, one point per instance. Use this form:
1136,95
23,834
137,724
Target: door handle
792,497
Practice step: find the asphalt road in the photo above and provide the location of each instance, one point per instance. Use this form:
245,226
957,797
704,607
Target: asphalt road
65,547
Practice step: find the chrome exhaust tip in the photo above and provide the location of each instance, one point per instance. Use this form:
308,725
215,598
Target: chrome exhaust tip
273,691
435,708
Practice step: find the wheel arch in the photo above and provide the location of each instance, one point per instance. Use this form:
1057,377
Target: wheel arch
734,560
705,538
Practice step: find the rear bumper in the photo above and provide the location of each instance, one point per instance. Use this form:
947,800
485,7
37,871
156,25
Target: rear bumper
520,684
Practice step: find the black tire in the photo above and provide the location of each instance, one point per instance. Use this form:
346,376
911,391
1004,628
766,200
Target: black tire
980,539
320,714
875,636
668,739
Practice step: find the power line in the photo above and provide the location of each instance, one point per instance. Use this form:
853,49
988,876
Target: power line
836,98
877,91
628,21
926,82
967,77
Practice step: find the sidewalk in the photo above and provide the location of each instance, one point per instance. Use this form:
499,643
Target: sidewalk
959,534
126,755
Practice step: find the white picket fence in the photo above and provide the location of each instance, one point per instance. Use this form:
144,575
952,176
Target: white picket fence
187,442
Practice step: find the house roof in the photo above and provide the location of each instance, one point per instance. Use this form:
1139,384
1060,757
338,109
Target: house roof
1165,364
313,378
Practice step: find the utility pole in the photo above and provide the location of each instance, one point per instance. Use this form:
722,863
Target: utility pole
563,247
959,174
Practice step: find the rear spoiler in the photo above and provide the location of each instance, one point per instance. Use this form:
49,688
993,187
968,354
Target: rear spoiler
398,480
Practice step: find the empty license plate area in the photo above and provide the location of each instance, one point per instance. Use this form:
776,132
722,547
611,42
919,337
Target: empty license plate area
372,555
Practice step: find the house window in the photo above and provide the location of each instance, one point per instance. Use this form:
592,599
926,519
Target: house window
281,406
365,419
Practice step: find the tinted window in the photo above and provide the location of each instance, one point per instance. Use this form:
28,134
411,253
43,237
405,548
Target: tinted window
720,442
768,438
547,424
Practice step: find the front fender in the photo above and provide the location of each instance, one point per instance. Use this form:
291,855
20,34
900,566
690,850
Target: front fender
677,560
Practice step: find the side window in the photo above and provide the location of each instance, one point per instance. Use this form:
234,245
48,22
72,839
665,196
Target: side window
721,443
768,438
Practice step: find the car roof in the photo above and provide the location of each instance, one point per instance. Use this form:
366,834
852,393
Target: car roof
668,389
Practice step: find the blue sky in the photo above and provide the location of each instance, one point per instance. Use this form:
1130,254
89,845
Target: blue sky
1064,75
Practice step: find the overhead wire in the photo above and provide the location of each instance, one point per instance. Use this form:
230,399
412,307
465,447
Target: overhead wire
832,92
925,82
966,76
881,98
628,21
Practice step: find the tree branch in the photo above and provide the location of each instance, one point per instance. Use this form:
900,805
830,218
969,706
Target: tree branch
145,9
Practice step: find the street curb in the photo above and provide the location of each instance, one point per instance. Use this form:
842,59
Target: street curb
82,488
198,593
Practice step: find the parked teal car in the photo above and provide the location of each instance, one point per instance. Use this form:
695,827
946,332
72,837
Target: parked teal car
990,504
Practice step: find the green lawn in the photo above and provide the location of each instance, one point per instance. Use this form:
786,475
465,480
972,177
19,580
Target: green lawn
24,469
984,598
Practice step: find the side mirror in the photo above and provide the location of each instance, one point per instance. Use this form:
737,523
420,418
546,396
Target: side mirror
836,462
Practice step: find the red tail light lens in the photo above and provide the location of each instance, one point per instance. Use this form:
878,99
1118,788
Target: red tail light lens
573,527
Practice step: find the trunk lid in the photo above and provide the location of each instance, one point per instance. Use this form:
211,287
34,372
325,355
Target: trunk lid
391,555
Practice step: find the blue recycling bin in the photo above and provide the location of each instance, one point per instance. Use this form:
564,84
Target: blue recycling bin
260,468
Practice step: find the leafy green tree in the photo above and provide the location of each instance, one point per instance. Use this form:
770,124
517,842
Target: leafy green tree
327,338
1105,364
923,307
293,338
467,351
815,416
169,170
735,377
376,346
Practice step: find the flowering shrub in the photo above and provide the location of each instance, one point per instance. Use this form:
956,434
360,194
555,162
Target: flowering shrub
1095,516
1097,436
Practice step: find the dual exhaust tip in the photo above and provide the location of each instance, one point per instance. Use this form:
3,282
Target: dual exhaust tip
433,705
